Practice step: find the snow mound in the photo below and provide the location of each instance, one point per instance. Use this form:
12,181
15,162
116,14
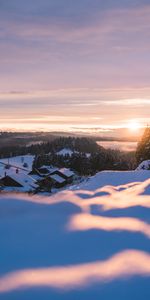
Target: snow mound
78,244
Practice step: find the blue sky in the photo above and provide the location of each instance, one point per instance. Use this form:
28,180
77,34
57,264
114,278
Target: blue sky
66,64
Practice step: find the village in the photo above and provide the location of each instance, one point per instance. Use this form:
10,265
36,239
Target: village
17,174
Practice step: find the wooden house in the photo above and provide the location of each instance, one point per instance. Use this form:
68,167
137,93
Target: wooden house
9,181
35,172
45,184
18,180
67,174
58,181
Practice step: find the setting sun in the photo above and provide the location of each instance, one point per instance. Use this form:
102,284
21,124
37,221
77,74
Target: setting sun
134,126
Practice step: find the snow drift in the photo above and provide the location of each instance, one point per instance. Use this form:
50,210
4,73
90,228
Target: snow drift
78,244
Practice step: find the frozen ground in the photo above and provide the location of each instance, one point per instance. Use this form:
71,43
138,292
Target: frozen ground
92,242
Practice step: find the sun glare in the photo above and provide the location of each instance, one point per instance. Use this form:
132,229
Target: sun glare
134,126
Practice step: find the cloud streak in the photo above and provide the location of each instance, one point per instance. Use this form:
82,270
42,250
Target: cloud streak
56,49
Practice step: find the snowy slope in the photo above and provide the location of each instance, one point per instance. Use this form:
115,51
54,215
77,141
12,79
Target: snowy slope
145,165
19,161
84,244
112,178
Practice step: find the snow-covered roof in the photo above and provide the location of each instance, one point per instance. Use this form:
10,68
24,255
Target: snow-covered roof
50,169
24,179
36,177
10,171
57,178
66,172
27,182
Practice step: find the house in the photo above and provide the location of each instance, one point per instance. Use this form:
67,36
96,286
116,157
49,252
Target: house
1,186
58,181
45,184
65,173
9,181
35,172
18,181
43,171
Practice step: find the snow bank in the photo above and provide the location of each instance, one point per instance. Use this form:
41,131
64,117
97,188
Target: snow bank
78,244
114,178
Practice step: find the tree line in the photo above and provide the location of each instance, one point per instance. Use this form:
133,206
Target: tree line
98,160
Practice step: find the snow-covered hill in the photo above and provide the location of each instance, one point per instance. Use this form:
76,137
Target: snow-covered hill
114,178
87,243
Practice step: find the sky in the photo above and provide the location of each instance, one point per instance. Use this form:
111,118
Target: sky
74,65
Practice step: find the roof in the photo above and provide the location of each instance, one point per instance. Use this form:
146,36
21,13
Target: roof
58,178
50,169
26,181
66,172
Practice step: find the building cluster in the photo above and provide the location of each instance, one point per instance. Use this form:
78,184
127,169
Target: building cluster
21,177
49,177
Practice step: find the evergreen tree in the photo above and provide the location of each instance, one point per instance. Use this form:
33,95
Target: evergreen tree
143,149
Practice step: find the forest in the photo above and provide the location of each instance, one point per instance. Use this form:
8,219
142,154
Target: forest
87,157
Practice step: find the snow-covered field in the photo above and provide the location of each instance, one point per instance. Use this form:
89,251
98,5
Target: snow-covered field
91,242
19,161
